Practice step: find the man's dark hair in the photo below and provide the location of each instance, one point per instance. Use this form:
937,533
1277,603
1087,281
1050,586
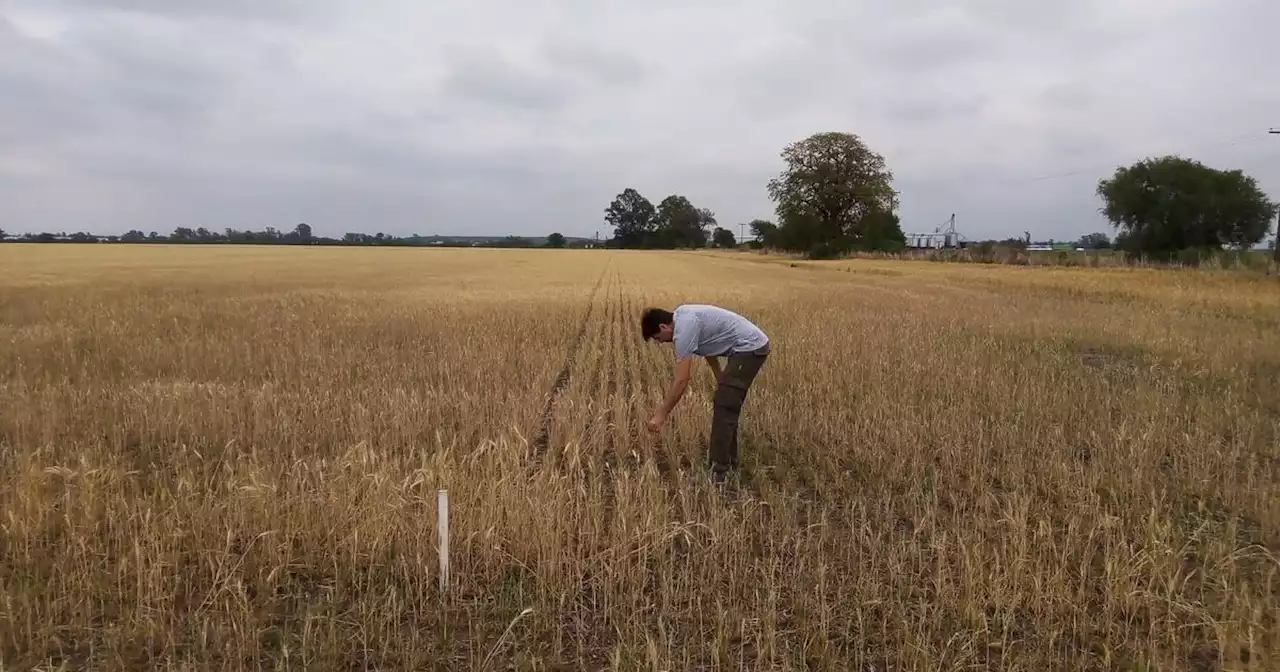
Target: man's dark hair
652,319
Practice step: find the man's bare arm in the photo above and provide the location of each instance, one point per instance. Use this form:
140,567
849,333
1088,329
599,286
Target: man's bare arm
678,387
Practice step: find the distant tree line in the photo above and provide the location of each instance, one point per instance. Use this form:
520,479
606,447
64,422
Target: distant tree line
300,235
1090,242
835,196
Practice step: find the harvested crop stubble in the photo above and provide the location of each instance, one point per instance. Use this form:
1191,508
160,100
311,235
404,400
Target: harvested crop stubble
228,456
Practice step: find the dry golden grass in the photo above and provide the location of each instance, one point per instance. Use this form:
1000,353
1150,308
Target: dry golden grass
228,458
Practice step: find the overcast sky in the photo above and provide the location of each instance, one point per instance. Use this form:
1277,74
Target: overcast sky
529,116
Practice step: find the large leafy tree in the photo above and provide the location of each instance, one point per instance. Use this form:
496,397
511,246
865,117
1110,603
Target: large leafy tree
722,237
679,223
1165,205
632,217
556,240
834,194
764,231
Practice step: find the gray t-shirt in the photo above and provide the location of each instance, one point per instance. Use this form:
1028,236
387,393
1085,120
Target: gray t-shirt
709,331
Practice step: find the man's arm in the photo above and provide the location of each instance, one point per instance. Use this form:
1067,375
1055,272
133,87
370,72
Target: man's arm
678,386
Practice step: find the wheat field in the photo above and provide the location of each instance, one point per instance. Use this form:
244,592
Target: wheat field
228,458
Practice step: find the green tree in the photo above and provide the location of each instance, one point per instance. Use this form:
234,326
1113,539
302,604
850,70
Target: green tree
827,195
1,234
722,237
680,224
556,240
880,232
764,231
1169,206
632,217
1095,241
706,220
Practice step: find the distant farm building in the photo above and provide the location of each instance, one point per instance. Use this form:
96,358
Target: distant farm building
943,237
935,241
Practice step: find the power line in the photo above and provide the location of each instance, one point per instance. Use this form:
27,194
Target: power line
1231,141
1096,168
1275,252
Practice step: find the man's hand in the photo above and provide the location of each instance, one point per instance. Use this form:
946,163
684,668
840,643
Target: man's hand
656,422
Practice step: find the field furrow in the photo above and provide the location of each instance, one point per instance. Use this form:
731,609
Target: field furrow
585,410
543,438
605,450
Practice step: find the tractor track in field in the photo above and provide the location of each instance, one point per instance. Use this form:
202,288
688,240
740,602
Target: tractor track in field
628,424
543,438
606,464
611,378
593,389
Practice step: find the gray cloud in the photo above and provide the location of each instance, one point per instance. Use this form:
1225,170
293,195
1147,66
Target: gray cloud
594,62
497,117
487,77
231,10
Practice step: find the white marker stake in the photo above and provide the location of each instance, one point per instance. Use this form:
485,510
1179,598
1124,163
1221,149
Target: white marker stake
442,510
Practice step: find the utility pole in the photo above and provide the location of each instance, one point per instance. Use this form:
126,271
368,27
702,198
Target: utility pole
742,233
1275,250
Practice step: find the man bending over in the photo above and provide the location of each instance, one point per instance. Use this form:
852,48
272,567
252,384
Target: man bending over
710,332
